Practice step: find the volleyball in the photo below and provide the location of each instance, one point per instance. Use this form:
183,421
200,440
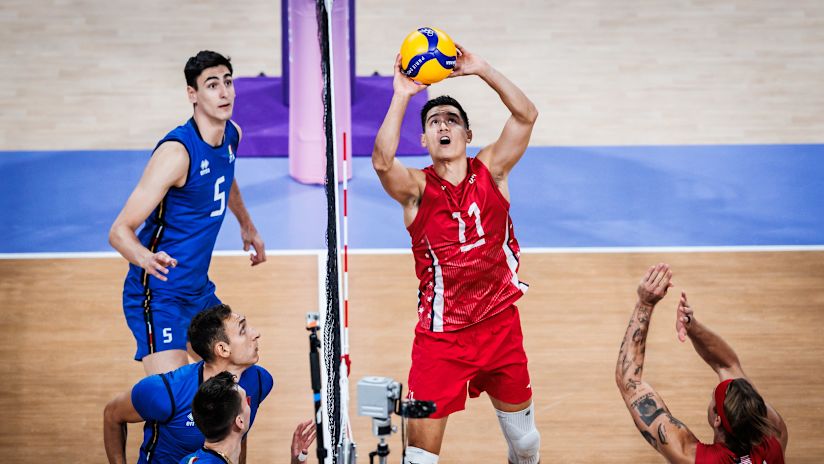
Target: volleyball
428,55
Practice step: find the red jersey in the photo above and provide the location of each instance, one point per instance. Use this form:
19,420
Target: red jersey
768,452
466,254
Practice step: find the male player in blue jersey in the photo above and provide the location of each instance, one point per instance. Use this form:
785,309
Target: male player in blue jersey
182,199
221,411
225,342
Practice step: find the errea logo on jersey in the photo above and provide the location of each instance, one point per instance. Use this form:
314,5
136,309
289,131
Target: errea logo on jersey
190,422
204,167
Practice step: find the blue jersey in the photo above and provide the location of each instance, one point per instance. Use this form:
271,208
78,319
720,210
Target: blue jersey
186,222
204,456
164,401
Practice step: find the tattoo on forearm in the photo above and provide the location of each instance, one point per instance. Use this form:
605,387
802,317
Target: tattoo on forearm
662,434
633,345
648,436
643,314
648,409
626,363
676,422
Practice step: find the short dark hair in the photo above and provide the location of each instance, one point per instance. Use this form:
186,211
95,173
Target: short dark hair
206,329
203,60
216,405
443,100
747,414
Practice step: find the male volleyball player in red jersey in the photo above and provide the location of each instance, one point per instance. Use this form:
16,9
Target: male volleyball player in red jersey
746,429
466,257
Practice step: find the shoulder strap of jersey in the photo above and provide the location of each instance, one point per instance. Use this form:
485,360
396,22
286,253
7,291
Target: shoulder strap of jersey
182,135
171,398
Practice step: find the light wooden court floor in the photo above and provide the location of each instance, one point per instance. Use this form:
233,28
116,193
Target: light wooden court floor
66,349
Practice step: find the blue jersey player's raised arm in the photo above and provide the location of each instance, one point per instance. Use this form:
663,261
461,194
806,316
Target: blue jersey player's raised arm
226,342
181,201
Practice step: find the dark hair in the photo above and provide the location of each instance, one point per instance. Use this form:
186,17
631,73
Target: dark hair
206,329
747,414
443,100
203,60
216,404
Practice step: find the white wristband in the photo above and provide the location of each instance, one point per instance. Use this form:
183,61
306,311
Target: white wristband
302,456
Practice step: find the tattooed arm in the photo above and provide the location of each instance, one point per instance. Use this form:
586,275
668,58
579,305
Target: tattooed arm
665,433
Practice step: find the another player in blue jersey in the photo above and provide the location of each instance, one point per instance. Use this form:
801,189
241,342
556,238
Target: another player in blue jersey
221,412
225,342
181,200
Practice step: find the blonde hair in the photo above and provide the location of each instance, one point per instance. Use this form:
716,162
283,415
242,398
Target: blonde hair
747,414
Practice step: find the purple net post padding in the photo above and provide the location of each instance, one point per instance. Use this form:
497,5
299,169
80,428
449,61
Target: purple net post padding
264,118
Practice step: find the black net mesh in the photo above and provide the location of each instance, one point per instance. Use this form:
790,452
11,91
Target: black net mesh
331,325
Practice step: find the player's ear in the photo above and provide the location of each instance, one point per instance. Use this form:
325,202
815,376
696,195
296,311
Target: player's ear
468,135
192,94
239,422
222,350
423,140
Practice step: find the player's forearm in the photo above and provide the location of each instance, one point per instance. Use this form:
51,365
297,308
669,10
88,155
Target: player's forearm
123,239
389,134
711,347
114,439
630,366
238,207
511,95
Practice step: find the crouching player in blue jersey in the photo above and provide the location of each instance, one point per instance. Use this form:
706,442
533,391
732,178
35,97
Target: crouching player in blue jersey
182,198
225,342
221,411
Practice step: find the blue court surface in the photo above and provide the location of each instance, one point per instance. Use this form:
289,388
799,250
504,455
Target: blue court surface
563,197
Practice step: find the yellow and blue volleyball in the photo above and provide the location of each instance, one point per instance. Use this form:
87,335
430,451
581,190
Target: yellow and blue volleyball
428,55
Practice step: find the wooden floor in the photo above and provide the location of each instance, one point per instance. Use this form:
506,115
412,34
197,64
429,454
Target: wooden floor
66,349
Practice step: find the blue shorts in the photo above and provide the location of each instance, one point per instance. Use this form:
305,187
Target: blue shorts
162,325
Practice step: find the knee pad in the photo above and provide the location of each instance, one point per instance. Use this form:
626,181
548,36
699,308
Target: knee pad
520,433
419,456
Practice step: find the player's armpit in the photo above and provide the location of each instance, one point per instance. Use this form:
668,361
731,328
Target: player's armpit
668,435
402,183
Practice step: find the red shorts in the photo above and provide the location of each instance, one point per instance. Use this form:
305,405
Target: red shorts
488,356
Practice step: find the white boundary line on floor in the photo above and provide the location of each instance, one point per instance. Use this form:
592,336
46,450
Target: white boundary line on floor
406,251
